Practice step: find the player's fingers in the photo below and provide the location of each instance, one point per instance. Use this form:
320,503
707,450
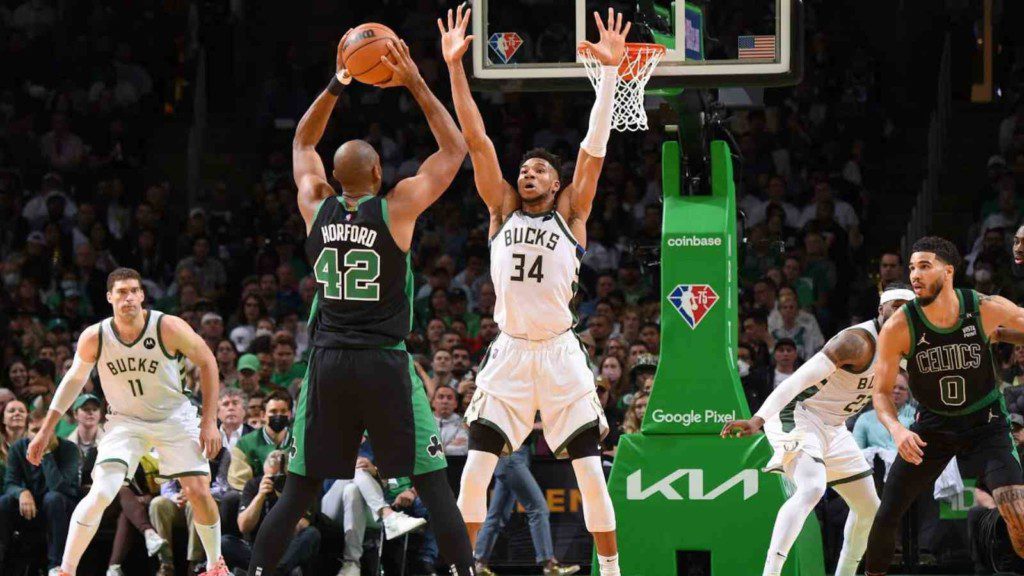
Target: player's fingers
440,26
625,32
451,23
919,441
586,45
458,13
600,23
465,19
469,40
618,23
611,19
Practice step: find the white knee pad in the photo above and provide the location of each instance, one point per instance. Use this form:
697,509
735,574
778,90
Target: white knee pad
476,476
107,479
598,513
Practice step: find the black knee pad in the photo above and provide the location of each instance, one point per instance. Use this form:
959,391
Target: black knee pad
585,444
485,439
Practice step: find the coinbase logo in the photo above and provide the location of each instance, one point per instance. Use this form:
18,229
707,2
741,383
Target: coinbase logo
695,242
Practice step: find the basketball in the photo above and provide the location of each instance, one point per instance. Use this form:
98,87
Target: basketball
362,50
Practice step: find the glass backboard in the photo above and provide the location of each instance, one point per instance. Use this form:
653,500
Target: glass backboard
531,44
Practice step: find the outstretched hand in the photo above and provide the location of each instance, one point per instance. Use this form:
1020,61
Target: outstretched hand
339,62
610,49
454,41
403,69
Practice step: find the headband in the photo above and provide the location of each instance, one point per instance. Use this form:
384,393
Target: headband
896,294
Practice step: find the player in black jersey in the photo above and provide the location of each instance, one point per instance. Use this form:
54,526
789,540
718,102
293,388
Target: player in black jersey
360,376
945,336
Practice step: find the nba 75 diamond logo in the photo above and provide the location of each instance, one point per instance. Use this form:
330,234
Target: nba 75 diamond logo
505,45
693,302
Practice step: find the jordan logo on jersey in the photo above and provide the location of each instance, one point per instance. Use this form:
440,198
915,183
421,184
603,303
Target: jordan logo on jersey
122,365
693,302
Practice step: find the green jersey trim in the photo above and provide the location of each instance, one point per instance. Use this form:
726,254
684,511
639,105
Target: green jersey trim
113,328
317,211
160,339
936,329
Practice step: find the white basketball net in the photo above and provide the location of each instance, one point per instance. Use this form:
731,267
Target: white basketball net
635,70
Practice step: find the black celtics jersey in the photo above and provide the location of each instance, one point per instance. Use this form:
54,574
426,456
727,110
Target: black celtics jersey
951,369
364,281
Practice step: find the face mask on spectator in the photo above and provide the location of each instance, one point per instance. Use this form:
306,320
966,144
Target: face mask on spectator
277,422
743,368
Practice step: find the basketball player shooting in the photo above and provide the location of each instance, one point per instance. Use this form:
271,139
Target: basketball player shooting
139,355
804,419
538,236
945,335
360,376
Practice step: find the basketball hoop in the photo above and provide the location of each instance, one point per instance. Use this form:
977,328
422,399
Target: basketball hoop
635,70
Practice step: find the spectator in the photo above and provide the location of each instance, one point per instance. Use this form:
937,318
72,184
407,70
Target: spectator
169,511
843,211
514,482
756,334
259,496
250,452
231,414
870,433
635,414
249,374
441,369
135,499
454,433
39,499
288,372
808,338
763,379
13,427
211,328
650,335
599,327
865,299
355,502
254,409
227,362
208,269
17,377
245,329
41,386
610,368
88,411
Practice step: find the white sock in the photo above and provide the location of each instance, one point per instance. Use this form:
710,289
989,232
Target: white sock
809,477
79,537
609,565
210,537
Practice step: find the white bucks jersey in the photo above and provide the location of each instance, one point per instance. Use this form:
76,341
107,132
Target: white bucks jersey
140,379
844,393
535,265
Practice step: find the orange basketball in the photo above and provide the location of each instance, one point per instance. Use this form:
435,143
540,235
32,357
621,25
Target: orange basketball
362,50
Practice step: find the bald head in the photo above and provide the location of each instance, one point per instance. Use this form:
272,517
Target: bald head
357,166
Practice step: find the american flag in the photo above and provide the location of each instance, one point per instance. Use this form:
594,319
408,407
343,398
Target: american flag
756,47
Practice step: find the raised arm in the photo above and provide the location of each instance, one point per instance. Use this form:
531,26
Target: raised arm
851,349
893,344
70,387
181,338
576,203
307,167
414,195
490,184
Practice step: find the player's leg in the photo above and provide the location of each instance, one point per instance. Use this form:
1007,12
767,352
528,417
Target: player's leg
598,513
406,442
904,484
117,456
861,497
808,476
996,455
495,423
205,515
107,478
327,414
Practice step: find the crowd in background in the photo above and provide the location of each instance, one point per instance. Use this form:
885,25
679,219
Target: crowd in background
76,201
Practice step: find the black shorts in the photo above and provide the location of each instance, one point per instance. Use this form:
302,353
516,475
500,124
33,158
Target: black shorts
348,391
980,441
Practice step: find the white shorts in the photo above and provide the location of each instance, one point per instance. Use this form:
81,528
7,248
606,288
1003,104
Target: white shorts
176,440
520,377
833,446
